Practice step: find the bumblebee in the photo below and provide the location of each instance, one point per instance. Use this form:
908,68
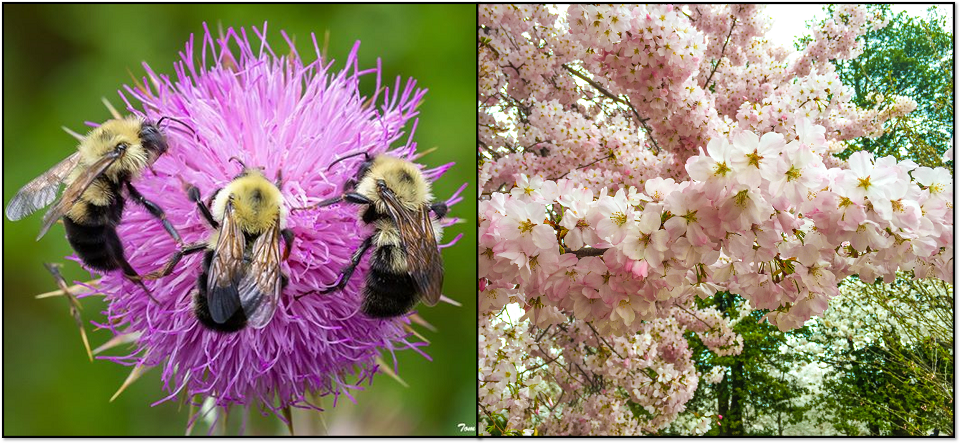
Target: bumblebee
240,281
406,265
107,160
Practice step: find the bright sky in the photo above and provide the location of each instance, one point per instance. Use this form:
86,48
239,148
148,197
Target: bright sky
789,21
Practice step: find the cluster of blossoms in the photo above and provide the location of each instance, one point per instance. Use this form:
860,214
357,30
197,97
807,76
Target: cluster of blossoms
695,73
594,381
279,113
715,375
760,217
637,157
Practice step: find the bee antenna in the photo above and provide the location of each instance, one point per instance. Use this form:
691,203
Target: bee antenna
234,158
178,121
366,156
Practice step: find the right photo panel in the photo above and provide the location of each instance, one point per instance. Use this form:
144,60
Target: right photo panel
716,220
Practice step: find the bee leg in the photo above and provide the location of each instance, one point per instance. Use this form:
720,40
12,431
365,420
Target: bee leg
172,263
119,260
287,241
130,274
349,197
298,297
327,202
194,194
350,184
353,197
347,271
440,209
154,210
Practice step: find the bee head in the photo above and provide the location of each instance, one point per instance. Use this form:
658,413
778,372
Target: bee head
152,141
246,170
397,179
257,203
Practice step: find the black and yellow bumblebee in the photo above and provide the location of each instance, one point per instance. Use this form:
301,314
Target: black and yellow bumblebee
240,280
108,159
406,265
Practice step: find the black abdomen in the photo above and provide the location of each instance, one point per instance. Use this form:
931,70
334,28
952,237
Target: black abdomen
233,324
201,309
387,293
95,240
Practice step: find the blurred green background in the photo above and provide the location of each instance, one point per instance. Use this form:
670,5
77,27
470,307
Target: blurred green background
58,60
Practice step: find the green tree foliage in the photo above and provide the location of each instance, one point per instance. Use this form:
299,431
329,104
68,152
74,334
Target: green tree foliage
755,382
885,390
911,57
901,382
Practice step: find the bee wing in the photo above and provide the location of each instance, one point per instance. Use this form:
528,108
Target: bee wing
42,190
424,262
226,266
260,287
76,189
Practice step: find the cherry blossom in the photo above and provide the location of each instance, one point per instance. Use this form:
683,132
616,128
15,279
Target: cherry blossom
637,158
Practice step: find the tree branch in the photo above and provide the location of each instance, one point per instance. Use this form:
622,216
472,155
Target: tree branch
722,50
593,83
586,252
584,166
649,132
641,120
597,334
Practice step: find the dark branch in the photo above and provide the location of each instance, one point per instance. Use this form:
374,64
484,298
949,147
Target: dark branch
584,166
649,133
596,161
586,252
597,334
542,333
722,50
593,83
641,120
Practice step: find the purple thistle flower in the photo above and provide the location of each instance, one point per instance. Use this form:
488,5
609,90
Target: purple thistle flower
272,111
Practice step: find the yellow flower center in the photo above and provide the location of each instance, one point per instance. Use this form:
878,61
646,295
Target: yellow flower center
793,173
815,271
526,226
644,239
619,218
741,198
721,169
897,206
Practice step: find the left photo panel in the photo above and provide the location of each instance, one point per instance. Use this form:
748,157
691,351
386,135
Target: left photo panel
239,220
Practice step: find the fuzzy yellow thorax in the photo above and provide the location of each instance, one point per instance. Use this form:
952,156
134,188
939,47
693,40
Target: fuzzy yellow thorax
257,203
